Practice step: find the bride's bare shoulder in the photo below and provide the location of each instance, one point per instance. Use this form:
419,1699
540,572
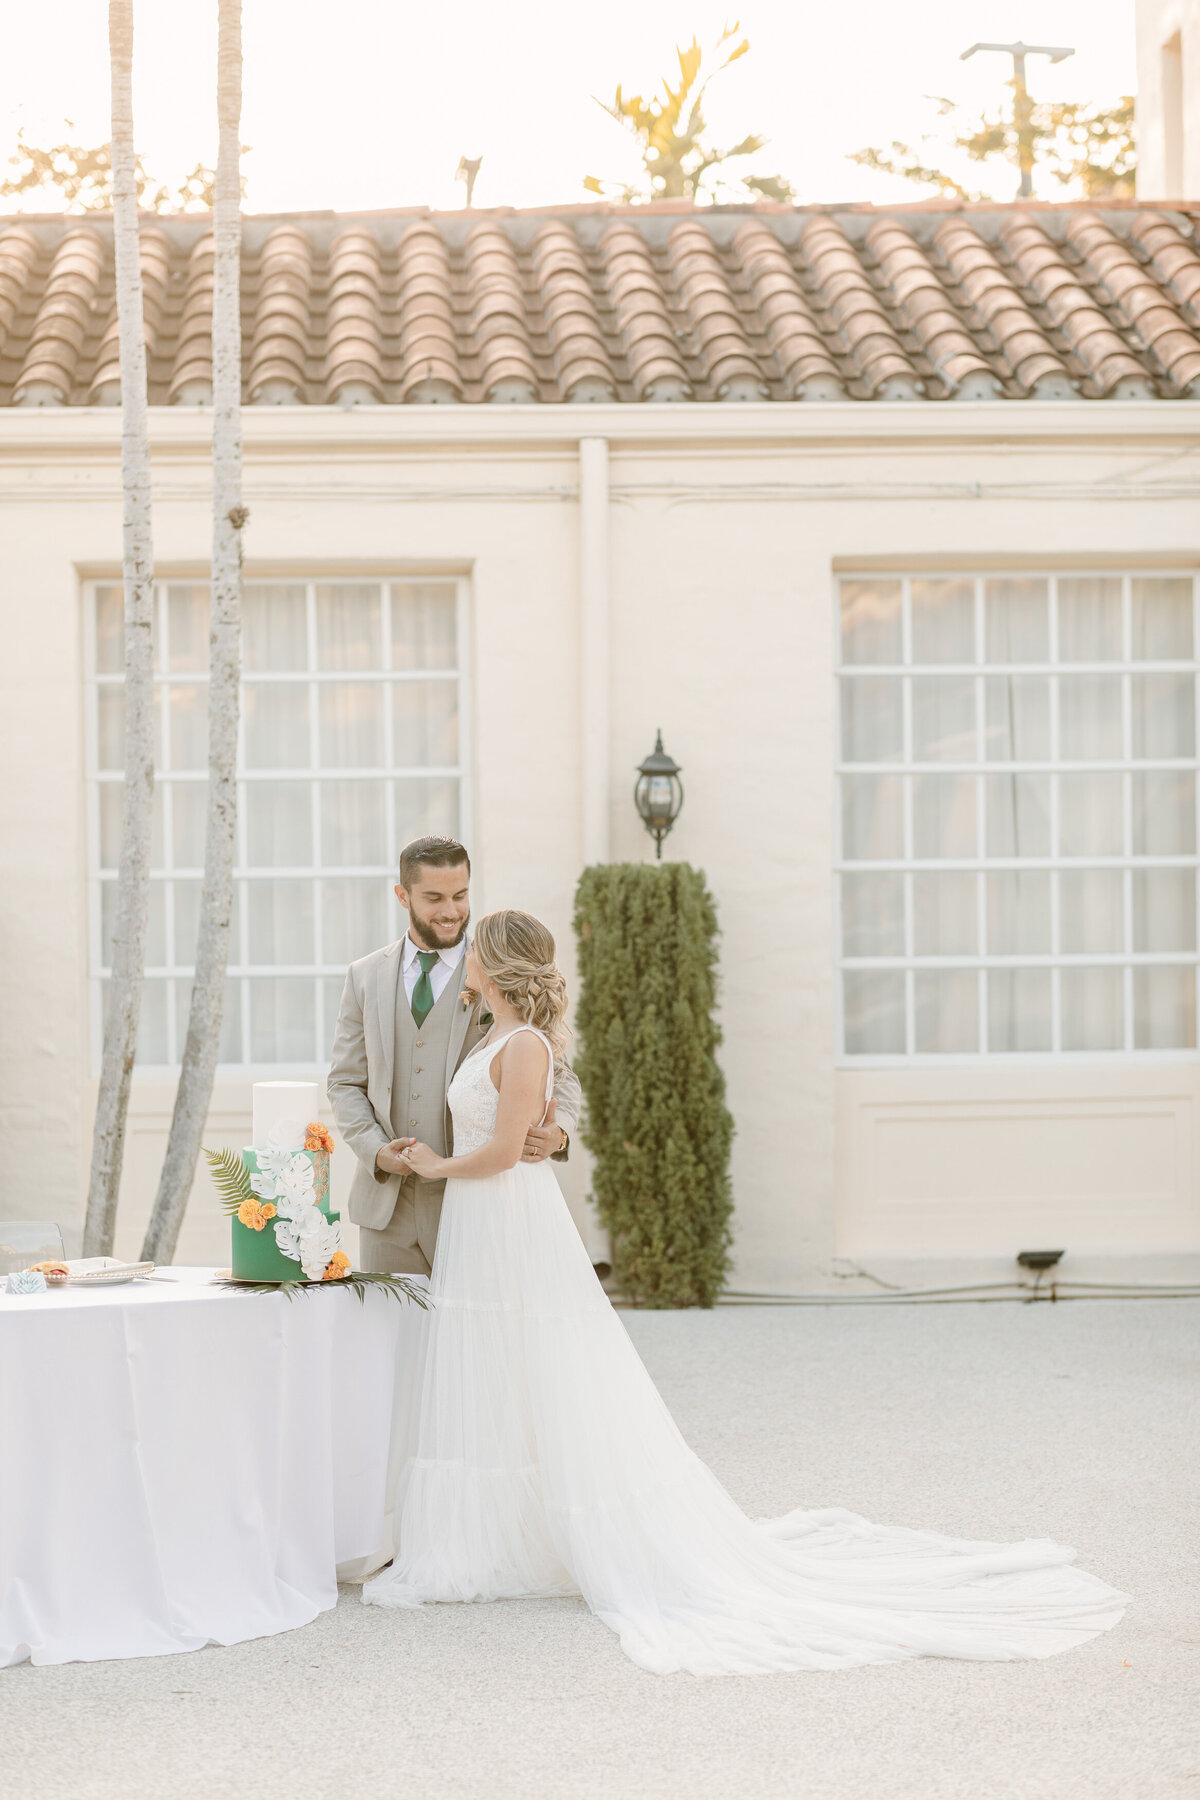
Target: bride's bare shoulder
523,1057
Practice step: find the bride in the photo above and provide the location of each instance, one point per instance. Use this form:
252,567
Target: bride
543,1460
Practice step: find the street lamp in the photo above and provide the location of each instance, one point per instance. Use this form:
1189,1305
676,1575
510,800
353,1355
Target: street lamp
658,795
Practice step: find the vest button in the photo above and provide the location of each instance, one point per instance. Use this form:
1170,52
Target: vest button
416,1068
412,1121
416,1096
420,1043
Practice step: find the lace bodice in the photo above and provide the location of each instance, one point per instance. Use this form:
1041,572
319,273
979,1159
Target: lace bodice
472,1096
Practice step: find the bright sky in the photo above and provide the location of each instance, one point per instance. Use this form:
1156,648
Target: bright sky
370,103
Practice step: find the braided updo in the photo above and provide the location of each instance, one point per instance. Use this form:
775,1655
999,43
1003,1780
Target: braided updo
515,950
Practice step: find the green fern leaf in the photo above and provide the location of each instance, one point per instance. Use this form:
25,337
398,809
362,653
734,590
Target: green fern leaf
230,1178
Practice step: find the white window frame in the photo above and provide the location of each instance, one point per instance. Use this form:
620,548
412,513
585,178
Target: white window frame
165,679
981,863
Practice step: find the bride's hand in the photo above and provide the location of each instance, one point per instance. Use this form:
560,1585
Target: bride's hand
424,1162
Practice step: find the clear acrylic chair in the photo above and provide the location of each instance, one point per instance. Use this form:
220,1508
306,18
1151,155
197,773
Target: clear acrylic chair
25,1241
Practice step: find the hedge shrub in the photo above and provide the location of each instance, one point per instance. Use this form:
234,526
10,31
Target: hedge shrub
656,1121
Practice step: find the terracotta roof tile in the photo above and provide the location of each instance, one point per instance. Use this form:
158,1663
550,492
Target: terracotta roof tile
994,305
932,301
807,369
844,288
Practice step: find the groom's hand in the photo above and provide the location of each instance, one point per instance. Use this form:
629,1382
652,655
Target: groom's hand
390,1160
544,1140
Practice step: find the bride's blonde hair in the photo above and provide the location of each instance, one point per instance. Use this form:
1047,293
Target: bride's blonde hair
515,950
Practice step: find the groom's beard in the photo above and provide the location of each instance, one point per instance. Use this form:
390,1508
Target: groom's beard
434,936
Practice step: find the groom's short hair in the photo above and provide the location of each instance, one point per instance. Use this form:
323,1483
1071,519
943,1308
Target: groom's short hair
432,852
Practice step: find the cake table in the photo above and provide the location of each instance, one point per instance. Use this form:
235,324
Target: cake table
185,1464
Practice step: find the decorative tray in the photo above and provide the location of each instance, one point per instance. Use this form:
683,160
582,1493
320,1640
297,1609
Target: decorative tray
100,1271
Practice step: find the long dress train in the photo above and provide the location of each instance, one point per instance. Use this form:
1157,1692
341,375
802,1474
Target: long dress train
544,1462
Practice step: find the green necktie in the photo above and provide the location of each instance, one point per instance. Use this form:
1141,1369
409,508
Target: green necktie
422,995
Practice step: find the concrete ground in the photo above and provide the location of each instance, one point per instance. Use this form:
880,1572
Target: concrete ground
1078,1421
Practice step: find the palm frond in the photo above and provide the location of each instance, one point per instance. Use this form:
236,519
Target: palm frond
230,1178
358,1280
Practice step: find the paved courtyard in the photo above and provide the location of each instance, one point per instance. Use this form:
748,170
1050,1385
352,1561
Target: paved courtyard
1079,1421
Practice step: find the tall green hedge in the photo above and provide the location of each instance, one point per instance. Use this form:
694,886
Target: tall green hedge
657,1123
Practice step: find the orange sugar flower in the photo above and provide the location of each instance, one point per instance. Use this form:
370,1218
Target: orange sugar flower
339,1267
317,1136
269,1211
254,1214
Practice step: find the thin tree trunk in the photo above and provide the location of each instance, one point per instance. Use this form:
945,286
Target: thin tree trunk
216,903
133,879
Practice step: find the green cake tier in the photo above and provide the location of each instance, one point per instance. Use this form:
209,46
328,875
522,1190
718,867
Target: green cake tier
256,1255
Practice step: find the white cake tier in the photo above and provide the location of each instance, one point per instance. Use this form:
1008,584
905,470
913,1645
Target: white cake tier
282,1113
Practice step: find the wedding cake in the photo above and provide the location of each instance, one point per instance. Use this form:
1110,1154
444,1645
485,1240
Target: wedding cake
278,1191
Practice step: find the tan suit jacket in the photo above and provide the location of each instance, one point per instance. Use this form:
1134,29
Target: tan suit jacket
360,1086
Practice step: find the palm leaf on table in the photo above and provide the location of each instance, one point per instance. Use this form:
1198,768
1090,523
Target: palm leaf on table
358,1280
230,1178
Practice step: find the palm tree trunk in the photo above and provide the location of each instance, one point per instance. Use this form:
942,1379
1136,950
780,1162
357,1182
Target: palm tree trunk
133,879
216,903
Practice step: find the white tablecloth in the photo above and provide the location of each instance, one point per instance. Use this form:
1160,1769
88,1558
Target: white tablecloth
183,1465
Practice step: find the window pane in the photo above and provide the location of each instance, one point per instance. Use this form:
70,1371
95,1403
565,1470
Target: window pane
431,806
946,1005
231,1020
282,1019
354,918
281,921
274,628
873,915
1164,813
1017,621
1019,1010
187,626
156,924
1164,909
351,714
187,924
189,820
1162,619
1018,913
1018,718
1090,815
425,723
112,801
872,720
188,708
353,828
872,818
870,622
943,621
1089,618
424,625
278,824
873,1002
1092,1009
110,630
275,731
333,987
1089,718
945,922
1018,815
943,718
1164,716
1091,911
349,626
943,816
1164,1008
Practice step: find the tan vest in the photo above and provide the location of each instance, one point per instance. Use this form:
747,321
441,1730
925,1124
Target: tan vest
419,1078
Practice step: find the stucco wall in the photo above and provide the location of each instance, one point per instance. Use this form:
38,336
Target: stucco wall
726,525
1168,99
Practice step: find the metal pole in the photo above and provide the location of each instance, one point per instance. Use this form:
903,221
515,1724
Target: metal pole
1022,104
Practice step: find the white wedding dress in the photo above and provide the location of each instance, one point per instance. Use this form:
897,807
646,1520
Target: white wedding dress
544,1462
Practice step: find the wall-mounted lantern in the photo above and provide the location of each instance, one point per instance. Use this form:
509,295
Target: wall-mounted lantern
658,795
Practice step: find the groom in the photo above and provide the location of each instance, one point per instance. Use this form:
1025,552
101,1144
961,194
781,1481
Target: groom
403,1028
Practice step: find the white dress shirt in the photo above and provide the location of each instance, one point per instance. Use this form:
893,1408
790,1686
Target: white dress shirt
439,975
